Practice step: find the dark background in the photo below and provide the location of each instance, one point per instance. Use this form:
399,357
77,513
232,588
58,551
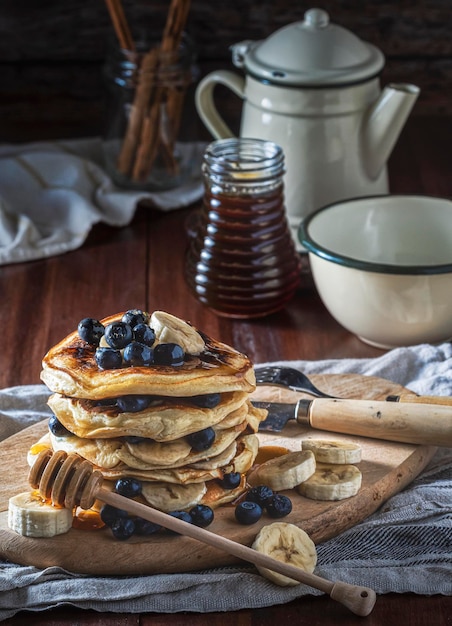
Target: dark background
52,52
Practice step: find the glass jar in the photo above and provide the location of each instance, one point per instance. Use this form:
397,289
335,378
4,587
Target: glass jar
241,260
146,90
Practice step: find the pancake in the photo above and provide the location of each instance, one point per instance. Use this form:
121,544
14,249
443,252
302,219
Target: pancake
147,455
247,447
166,422
70,368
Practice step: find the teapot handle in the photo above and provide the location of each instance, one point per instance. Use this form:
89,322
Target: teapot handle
205,104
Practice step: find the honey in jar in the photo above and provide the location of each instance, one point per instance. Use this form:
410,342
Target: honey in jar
241,260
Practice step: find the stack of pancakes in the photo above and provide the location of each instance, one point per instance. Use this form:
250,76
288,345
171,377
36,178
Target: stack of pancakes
153,444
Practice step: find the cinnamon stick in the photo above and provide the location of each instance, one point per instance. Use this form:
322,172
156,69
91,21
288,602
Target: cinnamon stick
134,130
120,24
172,35
175,24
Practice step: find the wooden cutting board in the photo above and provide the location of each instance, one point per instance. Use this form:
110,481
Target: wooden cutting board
386,467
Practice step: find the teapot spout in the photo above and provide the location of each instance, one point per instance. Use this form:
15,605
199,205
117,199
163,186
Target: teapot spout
383,123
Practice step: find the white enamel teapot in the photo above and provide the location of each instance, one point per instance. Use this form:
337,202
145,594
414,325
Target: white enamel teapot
313,88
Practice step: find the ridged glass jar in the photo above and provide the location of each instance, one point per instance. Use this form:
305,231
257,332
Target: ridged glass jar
241,261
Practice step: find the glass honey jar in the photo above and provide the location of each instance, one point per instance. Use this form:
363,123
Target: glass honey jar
241,260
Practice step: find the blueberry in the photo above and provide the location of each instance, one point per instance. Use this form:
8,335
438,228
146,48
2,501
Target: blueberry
279,506
231,480
206,401
134,317
123,528
260,494
108,358
201,515
182,515
118,335
145,527
91,330
107,402
138,354
128,487
57,428
135,440
202,439
110,514
248,512
168,354
144,334
133,403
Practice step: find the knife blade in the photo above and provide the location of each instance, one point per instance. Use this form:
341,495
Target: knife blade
427,424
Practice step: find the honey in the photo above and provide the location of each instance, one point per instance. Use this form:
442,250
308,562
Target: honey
38,447
87,519
269,452
241,261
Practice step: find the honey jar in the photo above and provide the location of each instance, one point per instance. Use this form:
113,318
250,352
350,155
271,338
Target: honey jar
241,261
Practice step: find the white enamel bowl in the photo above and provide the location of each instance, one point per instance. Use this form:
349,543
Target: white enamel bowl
383,267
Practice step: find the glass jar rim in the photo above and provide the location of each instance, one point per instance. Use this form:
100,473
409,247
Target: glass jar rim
241,158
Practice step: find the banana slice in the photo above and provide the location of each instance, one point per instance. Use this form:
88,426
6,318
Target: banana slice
284,472
330,451
332,482
29,515
289,544
171,497
171,329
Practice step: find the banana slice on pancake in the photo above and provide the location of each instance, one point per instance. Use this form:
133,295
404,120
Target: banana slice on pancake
170,497
170,329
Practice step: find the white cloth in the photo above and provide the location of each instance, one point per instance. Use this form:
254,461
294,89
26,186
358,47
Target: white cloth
406,546
51,194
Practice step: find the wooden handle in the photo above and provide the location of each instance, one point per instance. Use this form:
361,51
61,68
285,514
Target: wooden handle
360,600
428,424
410,397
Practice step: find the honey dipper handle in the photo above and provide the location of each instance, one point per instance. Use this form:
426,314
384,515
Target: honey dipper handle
360,600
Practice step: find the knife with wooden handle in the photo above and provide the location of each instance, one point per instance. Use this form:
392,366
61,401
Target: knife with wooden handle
427,424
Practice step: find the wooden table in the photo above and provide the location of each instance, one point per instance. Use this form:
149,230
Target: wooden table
142,266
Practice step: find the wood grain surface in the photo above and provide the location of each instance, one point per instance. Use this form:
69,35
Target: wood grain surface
386,468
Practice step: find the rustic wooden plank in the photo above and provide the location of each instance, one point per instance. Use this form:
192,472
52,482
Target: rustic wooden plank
386,467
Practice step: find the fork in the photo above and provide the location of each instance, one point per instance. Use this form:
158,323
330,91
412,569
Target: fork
290,378
297,381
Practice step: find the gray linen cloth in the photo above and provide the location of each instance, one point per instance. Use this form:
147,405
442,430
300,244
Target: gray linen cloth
52,193
406,546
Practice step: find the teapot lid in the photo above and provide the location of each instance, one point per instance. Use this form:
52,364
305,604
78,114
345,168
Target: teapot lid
313,53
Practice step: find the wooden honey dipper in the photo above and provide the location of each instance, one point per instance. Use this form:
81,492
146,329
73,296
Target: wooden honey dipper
68,480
